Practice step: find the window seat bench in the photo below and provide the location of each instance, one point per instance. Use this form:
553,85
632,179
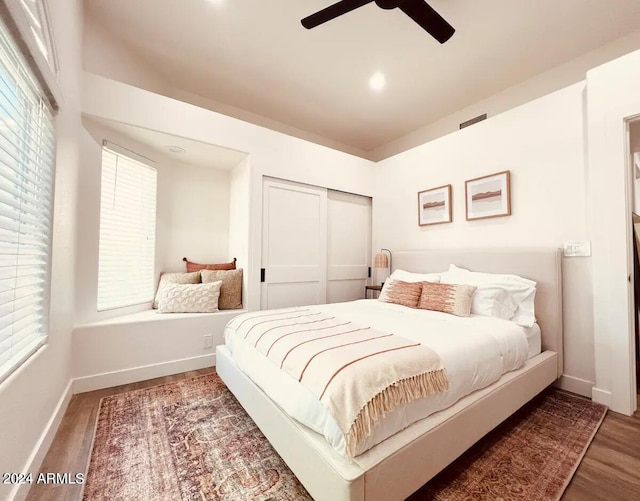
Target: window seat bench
144,345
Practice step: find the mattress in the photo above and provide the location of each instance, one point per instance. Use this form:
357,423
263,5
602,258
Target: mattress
475,351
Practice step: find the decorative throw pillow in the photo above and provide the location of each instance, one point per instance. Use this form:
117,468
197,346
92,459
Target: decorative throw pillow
231,290
190,298
403,293
191,266
175,278
447,298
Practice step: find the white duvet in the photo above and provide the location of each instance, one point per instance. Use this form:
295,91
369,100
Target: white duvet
475,352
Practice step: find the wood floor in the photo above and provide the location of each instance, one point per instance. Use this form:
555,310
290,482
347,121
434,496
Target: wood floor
610,470
71,446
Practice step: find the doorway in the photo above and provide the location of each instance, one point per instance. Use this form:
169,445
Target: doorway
634,171
610,104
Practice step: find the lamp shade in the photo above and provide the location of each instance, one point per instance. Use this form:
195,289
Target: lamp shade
381,260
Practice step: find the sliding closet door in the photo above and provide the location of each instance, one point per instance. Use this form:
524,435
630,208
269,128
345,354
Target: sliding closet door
294,243
349,246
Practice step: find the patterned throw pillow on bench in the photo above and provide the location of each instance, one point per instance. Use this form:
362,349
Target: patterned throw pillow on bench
190,298
231,291
174,278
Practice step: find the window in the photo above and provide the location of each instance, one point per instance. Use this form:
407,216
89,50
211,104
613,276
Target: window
127,231
37,17
27,160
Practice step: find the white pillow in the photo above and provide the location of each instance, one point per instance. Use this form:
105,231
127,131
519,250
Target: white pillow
406,276
505,296
490,277
174,278
190,298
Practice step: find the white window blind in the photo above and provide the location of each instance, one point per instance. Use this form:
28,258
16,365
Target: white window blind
127,231
38,19
27,160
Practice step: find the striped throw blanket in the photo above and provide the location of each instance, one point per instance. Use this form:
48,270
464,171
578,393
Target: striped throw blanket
359,373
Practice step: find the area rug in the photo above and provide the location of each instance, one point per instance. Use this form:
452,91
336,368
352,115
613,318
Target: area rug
188,440
530,457
191,440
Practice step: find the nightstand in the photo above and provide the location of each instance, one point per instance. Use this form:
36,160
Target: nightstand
368,288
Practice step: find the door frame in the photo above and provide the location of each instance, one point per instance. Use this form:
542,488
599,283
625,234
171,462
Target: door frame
612,101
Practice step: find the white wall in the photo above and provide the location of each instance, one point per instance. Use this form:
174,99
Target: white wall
239,232
31,396
542,144
192,215
144,346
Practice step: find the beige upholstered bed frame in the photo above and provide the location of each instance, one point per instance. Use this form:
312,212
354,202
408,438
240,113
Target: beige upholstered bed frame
395,468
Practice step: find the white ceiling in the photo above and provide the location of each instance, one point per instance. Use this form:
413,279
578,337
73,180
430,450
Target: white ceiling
255,55
196,153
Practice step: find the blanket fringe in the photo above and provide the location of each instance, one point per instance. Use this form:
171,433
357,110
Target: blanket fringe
398,393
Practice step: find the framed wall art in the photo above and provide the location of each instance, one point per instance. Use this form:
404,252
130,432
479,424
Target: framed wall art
488,196
434,206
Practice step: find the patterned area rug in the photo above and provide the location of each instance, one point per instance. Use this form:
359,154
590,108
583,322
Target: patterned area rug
191,440
530,457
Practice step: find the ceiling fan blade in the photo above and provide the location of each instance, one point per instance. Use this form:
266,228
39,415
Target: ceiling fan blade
432,22
333,11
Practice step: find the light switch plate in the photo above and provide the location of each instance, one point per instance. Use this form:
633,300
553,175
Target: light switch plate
577,249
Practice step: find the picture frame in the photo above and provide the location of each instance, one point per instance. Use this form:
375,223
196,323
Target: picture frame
434,206
488,196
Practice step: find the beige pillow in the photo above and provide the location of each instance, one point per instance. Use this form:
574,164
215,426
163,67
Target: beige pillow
175,278
231,291
190,298
403,293
447,298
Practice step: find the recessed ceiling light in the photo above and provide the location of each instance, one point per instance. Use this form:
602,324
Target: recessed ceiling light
377,81
176,149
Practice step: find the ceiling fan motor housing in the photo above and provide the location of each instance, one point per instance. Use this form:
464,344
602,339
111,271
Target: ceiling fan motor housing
389,4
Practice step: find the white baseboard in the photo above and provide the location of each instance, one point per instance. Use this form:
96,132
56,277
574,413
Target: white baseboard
34,462
601,396
576,385
126,376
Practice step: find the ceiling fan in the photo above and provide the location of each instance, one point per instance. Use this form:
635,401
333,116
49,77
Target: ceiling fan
418,10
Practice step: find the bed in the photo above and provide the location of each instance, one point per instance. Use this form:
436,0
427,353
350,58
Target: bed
400,464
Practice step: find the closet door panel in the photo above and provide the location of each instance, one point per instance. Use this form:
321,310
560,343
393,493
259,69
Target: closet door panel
286,295
349,246
294,242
